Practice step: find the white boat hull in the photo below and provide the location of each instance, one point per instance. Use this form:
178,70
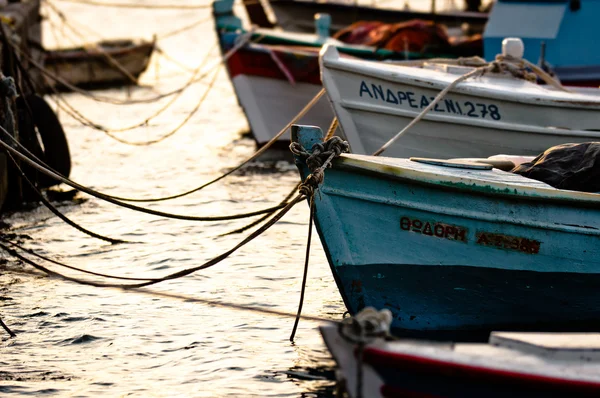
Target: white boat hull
270,104
373,104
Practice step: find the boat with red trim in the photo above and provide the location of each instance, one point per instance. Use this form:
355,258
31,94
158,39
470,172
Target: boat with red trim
527,365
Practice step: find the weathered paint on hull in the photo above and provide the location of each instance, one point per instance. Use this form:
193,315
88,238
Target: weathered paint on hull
450,250
457,299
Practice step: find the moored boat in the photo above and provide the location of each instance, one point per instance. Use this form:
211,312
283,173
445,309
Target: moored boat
482,116
509,365
456,248
276,73
298,15
107,63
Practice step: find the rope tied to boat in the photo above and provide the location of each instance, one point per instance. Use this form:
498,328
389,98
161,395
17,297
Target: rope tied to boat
362,329
503,63
366,326
318,159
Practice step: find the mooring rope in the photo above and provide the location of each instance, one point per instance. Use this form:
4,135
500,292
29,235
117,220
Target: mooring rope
251,158
263,218
254,156
501,64
175,275
162,36
111,60
57,213
89,123
179,126
10,332
128,205
84,271
305,273
243,40
317,160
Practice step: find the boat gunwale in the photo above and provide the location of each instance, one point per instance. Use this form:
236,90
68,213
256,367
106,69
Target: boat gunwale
428,363
462,184
366,68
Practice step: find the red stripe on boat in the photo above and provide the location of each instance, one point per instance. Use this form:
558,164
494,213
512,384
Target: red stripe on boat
381,358
259,63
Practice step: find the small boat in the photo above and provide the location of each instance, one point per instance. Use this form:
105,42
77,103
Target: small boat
107,63
480,117
298,15
520,365
277,73
548,29
457,248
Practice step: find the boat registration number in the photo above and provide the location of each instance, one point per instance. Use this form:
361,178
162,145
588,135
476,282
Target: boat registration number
415,100
507,242
433,228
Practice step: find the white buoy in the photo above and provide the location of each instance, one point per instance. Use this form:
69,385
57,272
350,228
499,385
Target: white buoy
513,47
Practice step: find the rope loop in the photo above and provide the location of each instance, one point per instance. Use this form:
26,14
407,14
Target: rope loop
312,182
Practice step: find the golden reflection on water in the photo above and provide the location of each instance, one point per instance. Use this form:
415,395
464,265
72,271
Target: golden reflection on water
75,340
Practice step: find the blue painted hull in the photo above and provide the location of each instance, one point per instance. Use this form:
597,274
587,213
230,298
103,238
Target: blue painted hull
453,260
455,301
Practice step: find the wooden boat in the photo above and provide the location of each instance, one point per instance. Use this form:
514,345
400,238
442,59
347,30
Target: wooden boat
277,74
457,248
483,116
548,29
520,365
298,15
114,62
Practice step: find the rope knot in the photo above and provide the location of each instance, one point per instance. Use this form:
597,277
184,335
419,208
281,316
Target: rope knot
312,182
318,160
323,153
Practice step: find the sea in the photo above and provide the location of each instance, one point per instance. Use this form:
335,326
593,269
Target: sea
197,336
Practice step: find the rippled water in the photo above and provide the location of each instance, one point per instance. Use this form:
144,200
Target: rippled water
76,340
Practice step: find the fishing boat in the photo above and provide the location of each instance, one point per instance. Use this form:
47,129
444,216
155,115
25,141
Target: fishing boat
549,29
298,15
107,63
457,248
485,115
277,72
520,365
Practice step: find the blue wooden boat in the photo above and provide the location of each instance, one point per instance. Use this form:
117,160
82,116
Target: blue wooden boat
458,249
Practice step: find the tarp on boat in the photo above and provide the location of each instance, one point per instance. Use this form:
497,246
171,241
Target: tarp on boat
575,167
414,36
